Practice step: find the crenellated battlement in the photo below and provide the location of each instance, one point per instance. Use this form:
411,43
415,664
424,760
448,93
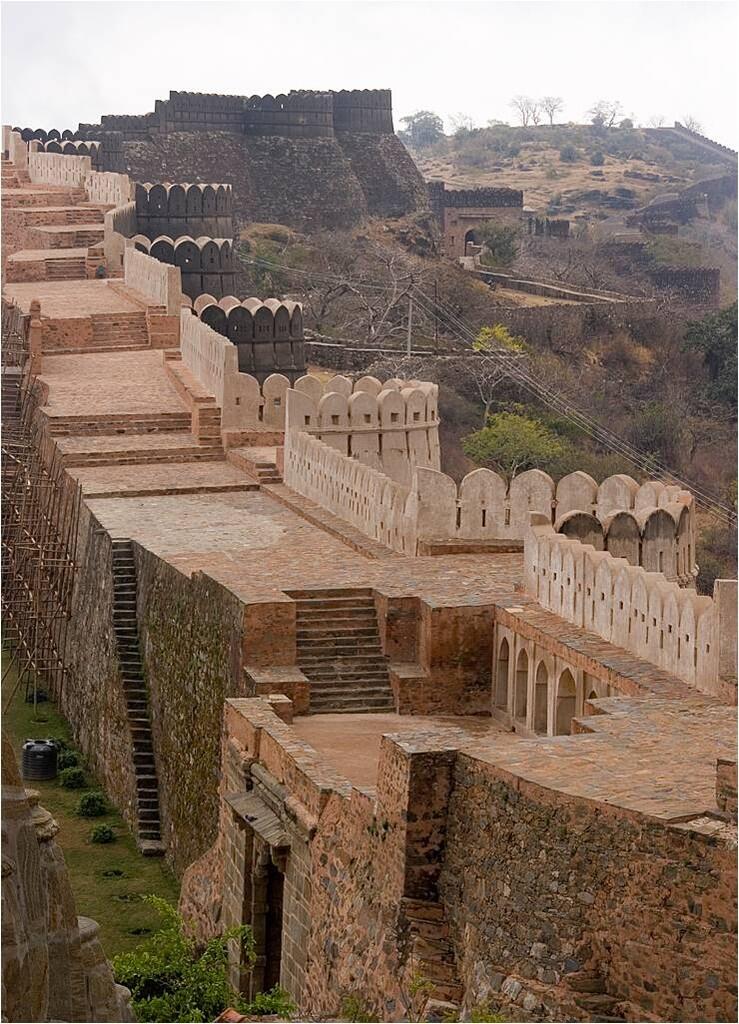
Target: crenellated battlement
297,114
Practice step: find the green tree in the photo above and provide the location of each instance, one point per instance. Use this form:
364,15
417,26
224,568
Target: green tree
422,129
511,443
715,337
499,242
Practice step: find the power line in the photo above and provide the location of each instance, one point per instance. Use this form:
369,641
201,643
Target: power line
513,366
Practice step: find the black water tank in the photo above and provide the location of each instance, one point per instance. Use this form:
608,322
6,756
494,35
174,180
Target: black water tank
39,759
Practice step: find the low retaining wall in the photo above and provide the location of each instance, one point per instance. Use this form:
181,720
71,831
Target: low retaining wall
157,282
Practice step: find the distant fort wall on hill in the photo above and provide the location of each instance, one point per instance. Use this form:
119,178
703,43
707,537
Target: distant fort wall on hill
311,160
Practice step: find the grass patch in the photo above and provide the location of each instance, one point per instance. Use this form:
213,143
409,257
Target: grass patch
109,881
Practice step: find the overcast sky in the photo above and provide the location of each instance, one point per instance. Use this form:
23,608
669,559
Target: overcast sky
69,62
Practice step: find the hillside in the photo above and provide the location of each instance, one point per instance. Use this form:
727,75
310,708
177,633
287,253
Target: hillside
553,164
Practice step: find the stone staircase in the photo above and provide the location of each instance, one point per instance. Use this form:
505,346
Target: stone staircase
67,236
62,216
134,423
9,175
258,462
149,455
65,268
112,329
149,839
339,651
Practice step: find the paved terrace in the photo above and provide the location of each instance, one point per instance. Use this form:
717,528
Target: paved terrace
351,743
258,548
108,383
652,757
70,299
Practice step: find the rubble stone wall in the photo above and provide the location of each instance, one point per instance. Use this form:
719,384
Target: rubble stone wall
544,887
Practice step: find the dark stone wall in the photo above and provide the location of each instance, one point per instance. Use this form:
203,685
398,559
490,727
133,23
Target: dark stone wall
307,183
390,181
190,632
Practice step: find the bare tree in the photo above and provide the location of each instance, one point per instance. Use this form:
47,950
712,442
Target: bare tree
656,121
523,107
692,123
483,375
461,123
535,112
605,113
551,105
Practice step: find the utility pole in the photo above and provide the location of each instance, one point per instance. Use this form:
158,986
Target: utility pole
410,325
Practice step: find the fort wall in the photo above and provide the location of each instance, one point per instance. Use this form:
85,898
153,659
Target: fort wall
629,606
581,925
191,629
369,876
185,209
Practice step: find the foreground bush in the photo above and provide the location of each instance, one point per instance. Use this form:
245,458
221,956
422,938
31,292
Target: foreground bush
172,980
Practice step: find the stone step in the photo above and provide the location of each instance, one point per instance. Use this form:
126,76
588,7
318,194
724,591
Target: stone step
315,656
339,630
199,453
353,706
336,617
329,693
150,847
77,236
324,680
310,596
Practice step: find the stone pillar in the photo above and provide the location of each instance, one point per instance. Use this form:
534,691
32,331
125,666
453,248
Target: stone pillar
725,601
35,335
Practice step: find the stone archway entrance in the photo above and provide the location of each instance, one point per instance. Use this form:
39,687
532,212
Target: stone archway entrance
470,238
257,852
565,708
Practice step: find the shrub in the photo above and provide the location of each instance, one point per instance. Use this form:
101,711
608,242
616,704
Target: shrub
173,980
72,778
69,759
512,443
102,834
354,1009
597,159
92,805
568,154
276,1001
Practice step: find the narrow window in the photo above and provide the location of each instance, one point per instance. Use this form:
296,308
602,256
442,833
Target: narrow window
367,418
307,421
661,639
620,606
507,517
335,420
416,417
393,417
459,517
484,517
